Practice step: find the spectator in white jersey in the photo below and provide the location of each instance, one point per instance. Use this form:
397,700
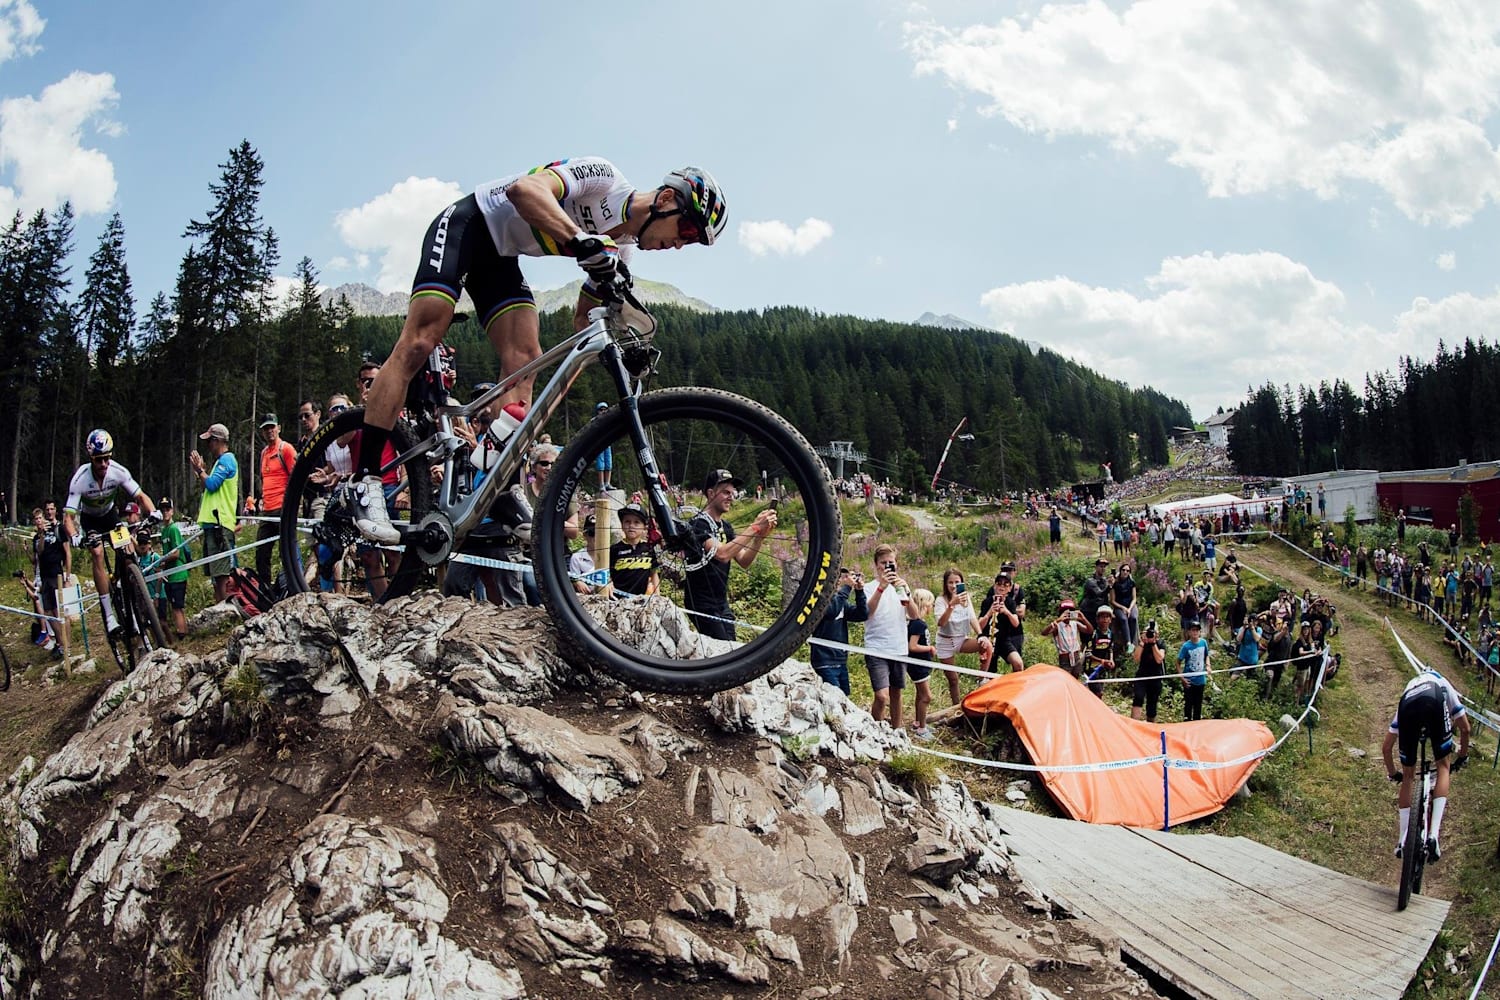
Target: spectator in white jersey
97,495
581,208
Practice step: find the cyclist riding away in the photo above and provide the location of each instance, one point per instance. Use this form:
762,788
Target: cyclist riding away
97,495
581,208
1429,709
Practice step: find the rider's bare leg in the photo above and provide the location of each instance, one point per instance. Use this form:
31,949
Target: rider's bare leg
427,320
516,335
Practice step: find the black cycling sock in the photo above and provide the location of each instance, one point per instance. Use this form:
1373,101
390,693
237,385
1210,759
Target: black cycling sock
372,442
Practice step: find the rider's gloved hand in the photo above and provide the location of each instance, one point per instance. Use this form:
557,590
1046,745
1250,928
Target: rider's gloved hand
1395,775
598,255
1458,763
77,539
156,517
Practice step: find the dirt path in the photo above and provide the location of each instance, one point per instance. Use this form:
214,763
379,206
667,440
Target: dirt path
1377,671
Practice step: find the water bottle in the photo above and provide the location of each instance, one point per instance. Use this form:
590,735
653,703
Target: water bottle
486,453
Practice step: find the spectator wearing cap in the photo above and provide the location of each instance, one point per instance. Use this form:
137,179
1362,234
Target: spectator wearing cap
217,512
174,553
632,560
706,589
1069,630
1012,642
604,464
1149,658
999,619
581,562
1101,657
1096,590
276,461
1193,658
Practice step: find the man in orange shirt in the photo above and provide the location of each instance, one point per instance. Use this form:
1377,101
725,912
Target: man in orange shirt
276,461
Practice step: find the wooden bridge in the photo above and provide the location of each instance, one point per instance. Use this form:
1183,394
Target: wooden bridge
1225,918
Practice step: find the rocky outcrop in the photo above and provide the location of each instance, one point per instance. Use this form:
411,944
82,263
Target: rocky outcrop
425,800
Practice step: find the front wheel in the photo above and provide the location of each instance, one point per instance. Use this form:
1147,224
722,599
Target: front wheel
1413,850
763,609
150,634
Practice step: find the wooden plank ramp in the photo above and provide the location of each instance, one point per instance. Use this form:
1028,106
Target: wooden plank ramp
1225,918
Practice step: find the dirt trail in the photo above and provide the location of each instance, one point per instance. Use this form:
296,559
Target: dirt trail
1378,672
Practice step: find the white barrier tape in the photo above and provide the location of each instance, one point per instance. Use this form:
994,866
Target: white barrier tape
1485,972
1401,596
1173,762
29,614
1477,714
208,559
1411,657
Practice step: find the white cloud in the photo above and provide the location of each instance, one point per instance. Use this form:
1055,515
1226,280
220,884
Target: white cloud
761,238
20,27
1210,326
390,227
41,142
1255,95
1447,261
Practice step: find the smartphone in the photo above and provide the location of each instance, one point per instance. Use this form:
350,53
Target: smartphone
960,587
775,502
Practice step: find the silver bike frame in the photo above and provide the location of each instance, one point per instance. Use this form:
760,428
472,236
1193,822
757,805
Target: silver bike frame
575,354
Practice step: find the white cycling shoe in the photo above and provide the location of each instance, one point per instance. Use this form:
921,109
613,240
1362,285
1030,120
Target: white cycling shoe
367,502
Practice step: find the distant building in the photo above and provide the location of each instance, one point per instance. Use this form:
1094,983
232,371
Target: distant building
1187,435
1342,488
1434,494
1218,428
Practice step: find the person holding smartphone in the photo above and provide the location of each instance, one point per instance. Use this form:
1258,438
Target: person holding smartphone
848,605
888,598
958,629
1069,631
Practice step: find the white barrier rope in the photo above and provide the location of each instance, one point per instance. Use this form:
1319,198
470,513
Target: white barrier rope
1484,973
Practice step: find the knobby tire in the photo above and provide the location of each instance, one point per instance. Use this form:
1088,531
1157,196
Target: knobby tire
1413,851
296,546
148,622
4,671
692,431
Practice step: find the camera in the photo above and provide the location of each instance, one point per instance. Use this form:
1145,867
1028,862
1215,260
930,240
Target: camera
19,575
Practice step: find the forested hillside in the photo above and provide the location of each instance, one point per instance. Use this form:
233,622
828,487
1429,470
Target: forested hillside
1429,414
76,355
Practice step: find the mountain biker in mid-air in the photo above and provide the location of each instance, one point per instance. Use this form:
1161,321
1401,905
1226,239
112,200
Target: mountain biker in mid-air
1429,709
580,208
97,495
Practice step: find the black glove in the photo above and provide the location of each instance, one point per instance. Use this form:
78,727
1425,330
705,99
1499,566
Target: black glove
597,255
1458,763
1395,775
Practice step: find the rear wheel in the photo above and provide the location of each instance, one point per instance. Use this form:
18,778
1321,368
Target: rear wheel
318,541
774,602
1413,850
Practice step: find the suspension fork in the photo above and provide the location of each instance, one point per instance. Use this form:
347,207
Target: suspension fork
656,483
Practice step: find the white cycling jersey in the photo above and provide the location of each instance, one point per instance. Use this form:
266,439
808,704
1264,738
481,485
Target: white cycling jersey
594,195
1443,688
87,495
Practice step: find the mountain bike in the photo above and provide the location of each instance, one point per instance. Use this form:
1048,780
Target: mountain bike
138,630
664,442
1414,847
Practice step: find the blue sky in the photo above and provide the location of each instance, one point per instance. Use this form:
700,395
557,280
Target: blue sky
1195,195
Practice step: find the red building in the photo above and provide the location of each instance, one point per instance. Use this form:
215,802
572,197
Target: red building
1434,493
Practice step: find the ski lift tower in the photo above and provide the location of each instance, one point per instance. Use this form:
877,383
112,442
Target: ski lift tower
841,451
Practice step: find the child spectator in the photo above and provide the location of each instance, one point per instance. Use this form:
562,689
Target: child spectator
919,648
1101,659
1193,656
1068,631
632,560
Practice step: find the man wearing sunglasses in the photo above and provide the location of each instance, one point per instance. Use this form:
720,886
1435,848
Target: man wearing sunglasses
581,208
97,495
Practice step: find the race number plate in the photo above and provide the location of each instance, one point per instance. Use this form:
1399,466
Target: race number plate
119,536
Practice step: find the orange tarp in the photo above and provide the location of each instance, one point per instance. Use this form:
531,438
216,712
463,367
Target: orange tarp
1062,722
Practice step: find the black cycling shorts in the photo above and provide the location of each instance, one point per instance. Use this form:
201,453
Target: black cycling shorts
458,254
1424,712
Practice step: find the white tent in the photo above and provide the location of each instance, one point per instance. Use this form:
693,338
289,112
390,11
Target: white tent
1215,503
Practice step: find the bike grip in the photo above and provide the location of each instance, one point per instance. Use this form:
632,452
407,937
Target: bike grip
1394,775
